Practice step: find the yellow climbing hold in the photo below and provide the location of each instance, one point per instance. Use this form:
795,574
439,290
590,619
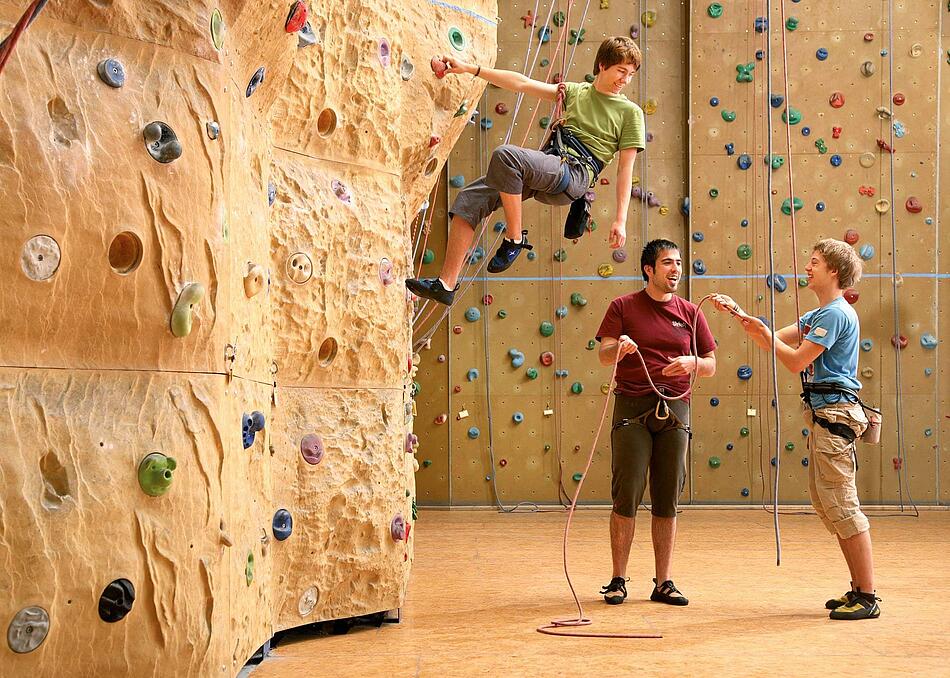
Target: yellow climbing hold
866,160
605,388
635,181
649,107
664,210
882,205
605,270
648,18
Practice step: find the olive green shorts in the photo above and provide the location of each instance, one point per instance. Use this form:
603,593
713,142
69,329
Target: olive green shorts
640,443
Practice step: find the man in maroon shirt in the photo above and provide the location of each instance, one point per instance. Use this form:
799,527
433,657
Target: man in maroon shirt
650,434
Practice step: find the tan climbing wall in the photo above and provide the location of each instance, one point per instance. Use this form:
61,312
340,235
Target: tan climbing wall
691,57
291,207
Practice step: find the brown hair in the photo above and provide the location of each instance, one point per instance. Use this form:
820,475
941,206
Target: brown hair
617,50
841,257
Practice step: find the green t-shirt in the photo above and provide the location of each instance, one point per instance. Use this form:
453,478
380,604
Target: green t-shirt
605,123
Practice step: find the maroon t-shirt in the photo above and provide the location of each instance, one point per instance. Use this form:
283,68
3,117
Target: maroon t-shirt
661,329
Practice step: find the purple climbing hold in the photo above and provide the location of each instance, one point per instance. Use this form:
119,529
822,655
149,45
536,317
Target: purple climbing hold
411,441
397,528
311,448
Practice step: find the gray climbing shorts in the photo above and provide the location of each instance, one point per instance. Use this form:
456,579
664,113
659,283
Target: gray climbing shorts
645,443
514,169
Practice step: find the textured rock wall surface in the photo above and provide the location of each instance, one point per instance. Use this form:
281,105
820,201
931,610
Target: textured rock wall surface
163,308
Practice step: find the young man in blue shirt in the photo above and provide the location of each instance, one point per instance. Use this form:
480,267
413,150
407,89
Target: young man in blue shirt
824,344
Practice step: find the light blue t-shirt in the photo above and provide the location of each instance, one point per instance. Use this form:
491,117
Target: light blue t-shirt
834,326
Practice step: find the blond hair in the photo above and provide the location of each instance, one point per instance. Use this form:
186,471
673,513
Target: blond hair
617,50
840,257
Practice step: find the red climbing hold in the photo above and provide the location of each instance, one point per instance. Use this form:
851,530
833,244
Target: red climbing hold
898,462
866,190
851,296
899,99
441,419
884,146
488,299
547,358
434,140
868,37
501,108
457,329
913,205
439,67
899,341
456,389
296,18
851,236
503,463
528,20
835,132
836,100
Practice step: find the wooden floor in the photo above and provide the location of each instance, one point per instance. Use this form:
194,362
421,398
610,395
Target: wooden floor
482,582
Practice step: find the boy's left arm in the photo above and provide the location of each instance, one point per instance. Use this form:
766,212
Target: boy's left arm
618,230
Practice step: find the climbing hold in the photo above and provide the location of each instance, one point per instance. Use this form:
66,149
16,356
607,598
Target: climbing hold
928,432
116,600
488,300
439,67
806,131
714,402
306,36
111,72
713,193
155,474
547,358
698,236
577,299
866,345
789,446
546,328
820,206
605,270
577,477
899,129
744,72
577,37
531,373
472,374
821,54
473,433
899,99
884,146
899,342
591,344
744,251
714,10
517,357
776,162
928,341
253,279
457,181
561,311
730,149
791,116
560,255
499,226
851,236
161,142
776,100
406,69
477,255
714,101
385,53
40,258
835,132
213,129
182,316
791,23
776,282
761,24
729,447
517,417
867,69
501,108
744,372
472,314
619,255
787,205
456,39
312,449
486,123
502,313
699,268
649,106
728,116
882,206
463,109
386,276
282,524
397,528
28,629
299,267
441,419
544,34
412,443
744,162
271,194
744,431
744,492
867,372
851,295
457,329
928,371
836,100
913,205
249,569
916,50
759,54
577,388
714,462
544,122
648,18
744,223
835,160
296,17
254,82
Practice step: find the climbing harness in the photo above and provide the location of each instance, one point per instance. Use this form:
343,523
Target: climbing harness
871,435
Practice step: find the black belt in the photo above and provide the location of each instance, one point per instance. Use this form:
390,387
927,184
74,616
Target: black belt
820,388
563,139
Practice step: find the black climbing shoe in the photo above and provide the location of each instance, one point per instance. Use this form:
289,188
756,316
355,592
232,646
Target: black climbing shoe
835,603
668,593
861,606
507,252
431,288
615,591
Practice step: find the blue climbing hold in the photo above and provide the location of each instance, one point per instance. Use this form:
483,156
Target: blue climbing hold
282,524
517,357
745,492
744,223
714,101
544,33
806,131
866,251
698,236
729,446
472,314
820,207
486,123
804,461
928,371
684,207
744,162
928,341
500,226
714,401
457,181
699,268
772,461
532,255
517,417
761,24
744,372
472,374
805,432
866,345
271,194
776,282
821,54
765,321
759,54
560,373
247,433
730,149
257,421
473,433
776,100
477,255
835,160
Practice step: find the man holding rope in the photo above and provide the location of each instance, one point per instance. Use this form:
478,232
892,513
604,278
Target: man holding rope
650,432
599,122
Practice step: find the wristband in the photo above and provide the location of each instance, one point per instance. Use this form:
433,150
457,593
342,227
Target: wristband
479,70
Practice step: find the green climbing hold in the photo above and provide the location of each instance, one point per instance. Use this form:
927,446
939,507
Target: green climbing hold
589,78
713,192
502,313
803,282
777,162
182,315
791,23
821,146
415,509
577,37
249,569
544,122
744,251
728,116
591,345
559,19
577,388
463,109
577,299
787,206
791,116
416,388
547,448
427,463
428,256
744,431
714,10
577,477
546,329
744,72
456,39
789,446
532,373
560,255
217,29
545,63
715,462
155,474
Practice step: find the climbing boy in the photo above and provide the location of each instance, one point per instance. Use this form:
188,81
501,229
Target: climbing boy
823,347
599,122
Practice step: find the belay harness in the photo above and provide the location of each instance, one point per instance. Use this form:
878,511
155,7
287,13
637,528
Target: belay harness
835,428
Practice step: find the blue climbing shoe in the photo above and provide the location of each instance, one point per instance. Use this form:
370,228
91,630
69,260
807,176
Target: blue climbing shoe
431,288
507,252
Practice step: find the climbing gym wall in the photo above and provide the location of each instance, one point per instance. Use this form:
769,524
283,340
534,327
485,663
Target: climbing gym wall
206,359
510,414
